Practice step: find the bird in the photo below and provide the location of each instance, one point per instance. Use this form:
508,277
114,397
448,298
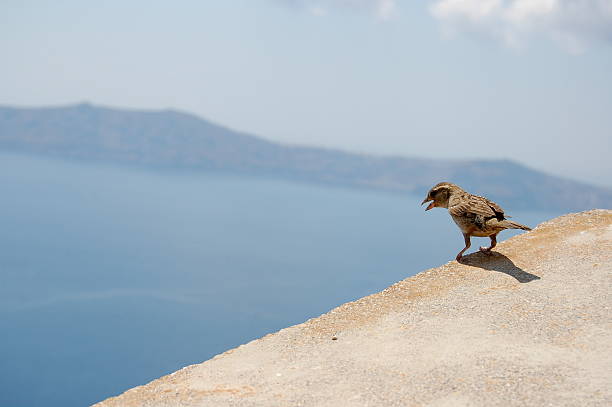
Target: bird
475,215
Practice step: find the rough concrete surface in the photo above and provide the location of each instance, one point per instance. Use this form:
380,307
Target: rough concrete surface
529,325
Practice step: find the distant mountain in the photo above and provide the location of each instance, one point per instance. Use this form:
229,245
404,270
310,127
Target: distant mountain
171,139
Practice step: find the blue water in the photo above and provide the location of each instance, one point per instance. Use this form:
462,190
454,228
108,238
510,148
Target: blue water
112,277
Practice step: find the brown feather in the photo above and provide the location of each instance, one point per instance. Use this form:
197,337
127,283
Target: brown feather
475,215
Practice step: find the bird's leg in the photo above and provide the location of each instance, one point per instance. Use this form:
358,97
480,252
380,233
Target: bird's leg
487,250
466,237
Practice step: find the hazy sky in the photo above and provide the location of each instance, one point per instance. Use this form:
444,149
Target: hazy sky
529,80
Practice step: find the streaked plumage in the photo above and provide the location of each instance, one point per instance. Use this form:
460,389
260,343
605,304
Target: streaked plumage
475,215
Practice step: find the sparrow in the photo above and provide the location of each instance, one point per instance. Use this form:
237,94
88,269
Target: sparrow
475,215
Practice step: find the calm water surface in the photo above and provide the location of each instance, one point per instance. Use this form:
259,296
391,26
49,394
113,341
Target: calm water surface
112,277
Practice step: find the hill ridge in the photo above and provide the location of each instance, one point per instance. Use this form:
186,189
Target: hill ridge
169,139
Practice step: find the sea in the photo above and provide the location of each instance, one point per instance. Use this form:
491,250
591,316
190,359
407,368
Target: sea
111,277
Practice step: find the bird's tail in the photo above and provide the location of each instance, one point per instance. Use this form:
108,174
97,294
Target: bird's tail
508,224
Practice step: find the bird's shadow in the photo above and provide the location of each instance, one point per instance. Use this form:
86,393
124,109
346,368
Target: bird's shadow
498,262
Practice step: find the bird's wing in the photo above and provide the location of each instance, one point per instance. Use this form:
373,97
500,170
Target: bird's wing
477,205
499,212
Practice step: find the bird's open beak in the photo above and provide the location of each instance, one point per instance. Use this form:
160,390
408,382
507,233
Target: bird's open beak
431,205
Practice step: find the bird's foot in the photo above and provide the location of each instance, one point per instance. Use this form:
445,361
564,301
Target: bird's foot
486,250
458,258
